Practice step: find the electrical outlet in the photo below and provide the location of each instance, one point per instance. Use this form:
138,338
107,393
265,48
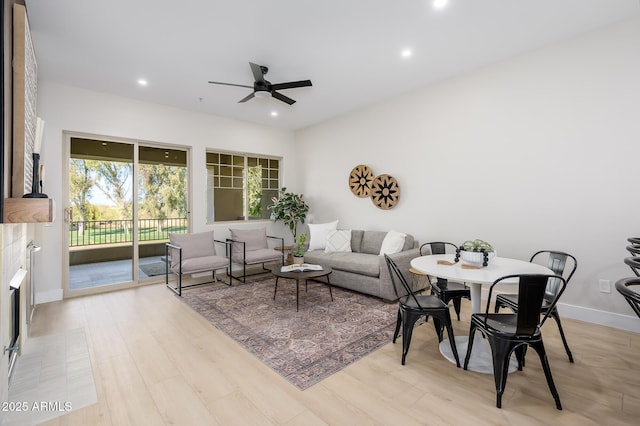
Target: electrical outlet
604,285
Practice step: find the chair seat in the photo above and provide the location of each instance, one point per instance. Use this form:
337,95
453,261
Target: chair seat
451,287
511,300
261,256
500,324
427,302
201,264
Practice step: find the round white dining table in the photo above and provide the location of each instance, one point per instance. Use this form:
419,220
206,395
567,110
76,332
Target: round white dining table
436,266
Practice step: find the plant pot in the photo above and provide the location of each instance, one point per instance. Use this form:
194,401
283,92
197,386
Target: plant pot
476,258
298,259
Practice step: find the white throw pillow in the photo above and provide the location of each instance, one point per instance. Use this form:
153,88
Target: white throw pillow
318,234
339,240
392,243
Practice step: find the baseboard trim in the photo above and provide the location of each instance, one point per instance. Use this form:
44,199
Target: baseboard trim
49,296
595,316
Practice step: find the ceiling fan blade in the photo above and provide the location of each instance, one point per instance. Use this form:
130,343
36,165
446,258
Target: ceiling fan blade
257,72
291,85
231,84
283,98
246,98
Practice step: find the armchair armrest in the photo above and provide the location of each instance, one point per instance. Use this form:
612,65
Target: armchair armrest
403,260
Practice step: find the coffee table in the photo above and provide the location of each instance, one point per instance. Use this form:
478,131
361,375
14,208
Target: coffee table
306,276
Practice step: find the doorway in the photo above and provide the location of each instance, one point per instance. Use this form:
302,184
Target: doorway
125,197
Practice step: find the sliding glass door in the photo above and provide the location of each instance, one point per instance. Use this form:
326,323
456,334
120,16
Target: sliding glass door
124,199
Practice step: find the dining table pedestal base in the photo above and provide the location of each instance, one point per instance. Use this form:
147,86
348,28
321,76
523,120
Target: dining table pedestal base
481,360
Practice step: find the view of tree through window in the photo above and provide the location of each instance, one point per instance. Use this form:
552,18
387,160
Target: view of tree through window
240,187
100,191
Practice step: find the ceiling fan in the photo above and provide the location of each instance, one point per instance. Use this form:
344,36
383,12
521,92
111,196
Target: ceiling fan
263,88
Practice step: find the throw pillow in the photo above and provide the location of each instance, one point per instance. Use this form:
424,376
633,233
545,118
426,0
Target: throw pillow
339,240
392,243
254,239
318,234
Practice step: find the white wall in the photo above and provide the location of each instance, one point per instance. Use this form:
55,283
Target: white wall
536,152
70,109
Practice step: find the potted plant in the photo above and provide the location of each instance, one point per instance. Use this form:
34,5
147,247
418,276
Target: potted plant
475,252
298,249
290,208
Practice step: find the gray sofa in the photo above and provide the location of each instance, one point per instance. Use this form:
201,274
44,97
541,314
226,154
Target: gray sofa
363,269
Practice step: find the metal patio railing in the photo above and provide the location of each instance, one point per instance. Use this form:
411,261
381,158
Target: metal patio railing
99,232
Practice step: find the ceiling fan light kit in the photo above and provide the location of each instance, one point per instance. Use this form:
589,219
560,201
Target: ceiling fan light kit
264,89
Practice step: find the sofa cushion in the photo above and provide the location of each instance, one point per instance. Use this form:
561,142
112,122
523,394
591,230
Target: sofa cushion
318,234
199,244
338,241
358,263
356,240
393,243
372,241
409,242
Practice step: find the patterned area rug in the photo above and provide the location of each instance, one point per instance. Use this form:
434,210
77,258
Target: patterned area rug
305,346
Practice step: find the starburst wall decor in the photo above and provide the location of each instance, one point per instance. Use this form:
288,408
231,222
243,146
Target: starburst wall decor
383,189
385,192
360,181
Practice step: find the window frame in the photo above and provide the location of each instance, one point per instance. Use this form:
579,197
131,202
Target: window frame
231,167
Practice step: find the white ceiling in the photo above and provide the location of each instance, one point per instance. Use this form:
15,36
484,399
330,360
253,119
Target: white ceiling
349,49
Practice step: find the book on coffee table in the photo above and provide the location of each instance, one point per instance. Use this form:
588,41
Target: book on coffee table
301,267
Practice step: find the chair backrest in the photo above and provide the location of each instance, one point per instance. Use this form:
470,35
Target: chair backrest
634,264
557,262
531,293
402,288
437,247
634,250
633,297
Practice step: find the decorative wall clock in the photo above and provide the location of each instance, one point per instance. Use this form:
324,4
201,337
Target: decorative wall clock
360,181
385,192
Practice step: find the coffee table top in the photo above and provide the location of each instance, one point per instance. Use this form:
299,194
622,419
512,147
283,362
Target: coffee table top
326,270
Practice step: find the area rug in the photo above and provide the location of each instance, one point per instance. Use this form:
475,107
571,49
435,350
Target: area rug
306,346
153,269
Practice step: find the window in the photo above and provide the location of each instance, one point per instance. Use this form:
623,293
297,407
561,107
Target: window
240,187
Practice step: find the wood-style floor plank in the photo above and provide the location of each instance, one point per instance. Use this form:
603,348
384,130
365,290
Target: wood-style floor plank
156,361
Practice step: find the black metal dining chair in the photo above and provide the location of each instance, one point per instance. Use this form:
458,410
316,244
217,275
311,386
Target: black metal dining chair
624,287
556,261
634,250
515,331
446,290
634,264
634,241
411,307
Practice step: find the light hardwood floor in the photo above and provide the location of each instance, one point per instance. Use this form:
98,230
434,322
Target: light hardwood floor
156,362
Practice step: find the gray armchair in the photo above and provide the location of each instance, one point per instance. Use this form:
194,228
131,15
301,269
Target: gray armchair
250,247
191,254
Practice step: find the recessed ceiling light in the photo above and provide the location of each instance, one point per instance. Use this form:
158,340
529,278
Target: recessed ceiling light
274,113
142,82
440,4
406,53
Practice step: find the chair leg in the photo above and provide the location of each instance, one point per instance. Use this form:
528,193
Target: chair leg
437,324
456,306
556,316
408,321
472,332
497,307
452,338
539,348
501,353
398,324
